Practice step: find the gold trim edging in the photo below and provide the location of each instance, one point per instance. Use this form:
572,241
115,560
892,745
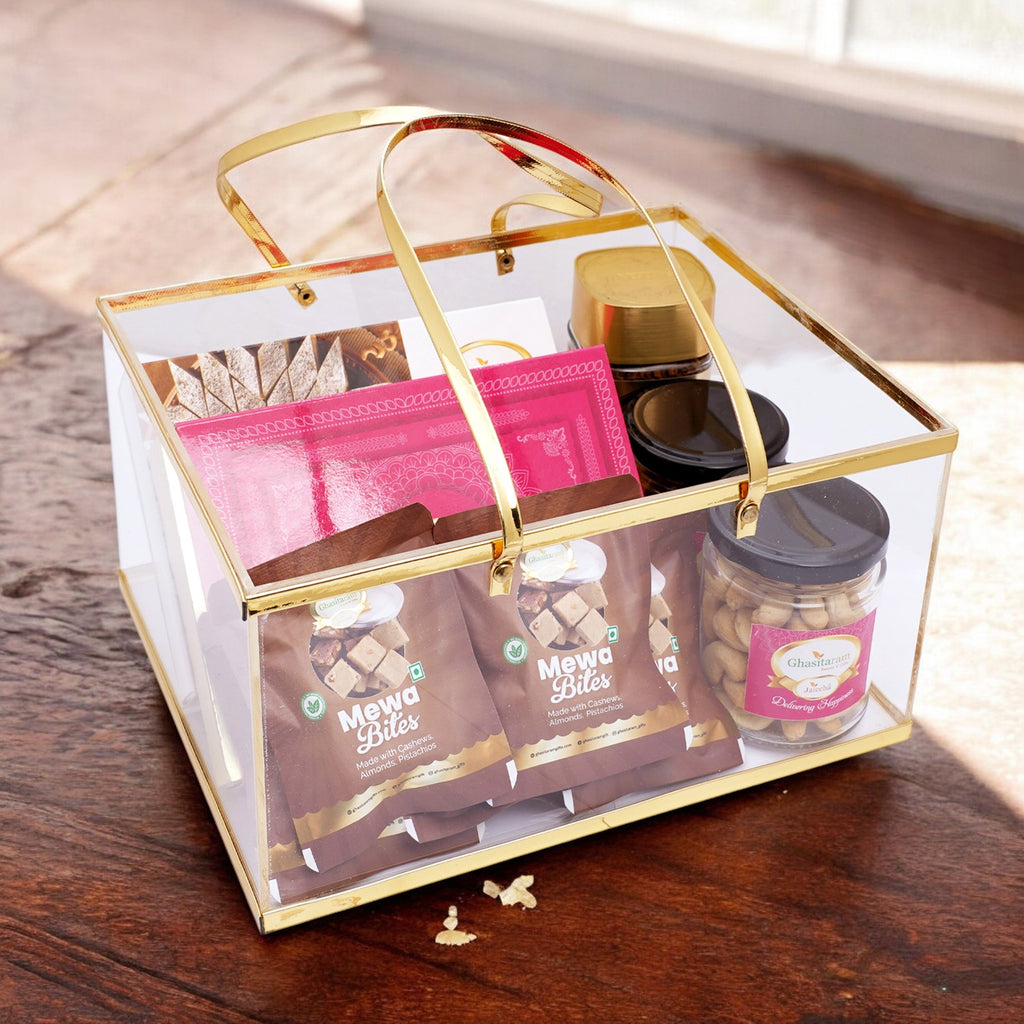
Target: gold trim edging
270,919
458,864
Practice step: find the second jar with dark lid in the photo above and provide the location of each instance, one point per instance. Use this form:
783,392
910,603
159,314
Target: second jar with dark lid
685,433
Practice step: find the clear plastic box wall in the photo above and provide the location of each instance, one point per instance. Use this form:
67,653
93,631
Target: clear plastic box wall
196,608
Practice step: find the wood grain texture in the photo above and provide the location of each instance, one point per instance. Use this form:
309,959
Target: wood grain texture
883,889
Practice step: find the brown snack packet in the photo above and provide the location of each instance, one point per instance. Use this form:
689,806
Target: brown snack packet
675,549
431,826
374,705
402,530
566,655
674,642
290,878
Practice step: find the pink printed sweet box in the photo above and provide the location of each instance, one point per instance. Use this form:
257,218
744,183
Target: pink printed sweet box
285,476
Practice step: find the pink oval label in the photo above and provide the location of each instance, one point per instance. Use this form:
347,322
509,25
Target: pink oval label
800,675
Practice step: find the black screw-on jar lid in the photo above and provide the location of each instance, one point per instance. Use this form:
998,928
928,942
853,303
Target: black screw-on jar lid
828,532
686,431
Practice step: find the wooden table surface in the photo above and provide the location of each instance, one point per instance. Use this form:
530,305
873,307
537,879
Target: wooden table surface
885,888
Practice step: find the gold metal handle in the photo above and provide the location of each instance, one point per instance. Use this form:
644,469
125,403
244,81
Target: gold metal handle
575,198
750,491
544,201
281,138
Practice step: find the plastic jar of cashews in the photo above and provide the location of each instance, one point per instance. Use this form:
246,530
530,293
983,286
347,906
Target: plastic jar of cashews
787,616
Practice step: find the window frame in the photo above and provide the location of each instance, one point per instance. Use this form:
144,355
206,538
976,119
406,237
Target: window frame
958,146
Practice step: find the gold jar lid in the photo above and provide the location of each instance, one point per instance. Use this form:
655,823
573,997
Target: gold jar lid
628,300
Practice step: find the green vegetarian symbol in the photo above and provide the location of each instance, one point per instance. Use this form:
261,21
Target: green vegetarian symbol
515,650
313,706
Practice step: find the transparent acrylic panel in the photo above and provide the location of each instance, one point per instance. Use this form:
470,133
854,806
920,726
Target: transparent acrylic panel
832,407
187,612
836,409
913,494
574,707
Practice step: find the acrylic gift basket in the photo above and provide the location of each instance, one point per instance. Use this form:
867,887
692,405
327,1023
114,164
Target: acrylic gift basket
299,645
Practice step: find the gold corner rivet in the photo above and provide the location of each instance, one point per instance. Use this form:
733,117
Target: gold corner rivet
503,570
749,514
